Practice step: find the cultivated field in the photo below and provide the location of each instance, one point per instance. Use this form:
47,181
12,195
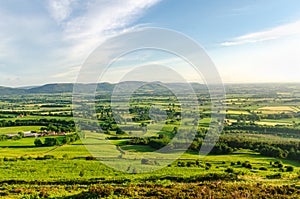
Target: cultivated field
115,152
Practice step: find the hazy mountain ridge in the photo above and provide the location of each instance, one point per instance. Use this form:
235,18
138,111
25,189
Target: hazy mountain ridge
108,87
68,87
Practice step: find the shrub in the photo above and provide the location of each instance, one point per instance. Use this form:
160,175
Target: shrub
278,162
65,156
263,168
229,170
23,158
51,141
47,157
38,142
191,164
81,173
16,137
208,164
66,140
275,176
289,168
12,159
90,158
280,165
181,164
247,165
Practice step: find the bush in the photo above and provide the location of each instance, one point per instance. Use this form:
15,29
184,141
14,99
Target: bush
278,162
208,164
38,142
81,173
12,159
16,137
47,157
275,176
247,165
3,137
181,164
51,141
66,140
289,168
65,156
229,170
90,158
23,158
263,168
280,165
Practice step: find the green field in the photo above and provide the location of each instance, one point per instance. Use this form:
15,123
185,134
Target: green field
141,152
16,129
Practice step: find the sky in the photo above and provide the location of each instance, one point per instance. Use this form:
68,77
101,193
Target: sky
248,40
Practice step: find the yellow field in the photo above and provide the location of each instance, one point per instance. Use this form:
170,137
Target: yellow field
268,123
278,109
237,112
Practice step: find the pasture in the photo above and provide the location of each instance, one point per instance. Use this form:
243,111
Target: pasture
257,153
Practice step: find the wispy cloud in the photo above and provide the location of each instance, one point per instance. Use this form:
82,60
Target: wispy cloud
94,23
60,9
271,34
50,43
101,20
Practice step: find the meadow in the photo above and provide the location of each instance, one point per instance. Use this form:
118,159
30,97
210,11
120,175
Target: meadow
256,156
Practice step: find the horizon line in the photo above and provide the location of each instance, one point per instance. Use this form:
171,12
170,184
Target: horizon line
224,83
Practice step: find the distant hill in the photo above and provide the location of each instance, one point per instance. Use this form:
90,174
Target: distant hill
68,87
55,88
52,88
11,91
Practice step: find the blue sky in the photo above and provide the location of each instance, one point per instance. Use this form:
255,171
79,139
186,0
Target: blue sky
248,40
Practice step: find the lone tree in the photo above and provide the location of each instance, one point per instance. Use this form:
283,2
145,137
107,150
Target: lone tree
38,142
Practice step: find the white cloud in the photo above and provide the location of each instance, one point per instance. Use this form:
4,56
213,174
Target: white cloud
96,21
271,34
60,9
44,46
101,20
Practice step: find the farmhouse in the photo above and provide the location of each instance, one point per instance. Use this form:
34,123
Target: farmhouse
30,134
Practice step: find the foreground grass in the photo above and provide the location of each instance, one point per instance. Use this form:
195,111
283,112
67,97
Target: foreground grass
68,174
81,178
159,189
